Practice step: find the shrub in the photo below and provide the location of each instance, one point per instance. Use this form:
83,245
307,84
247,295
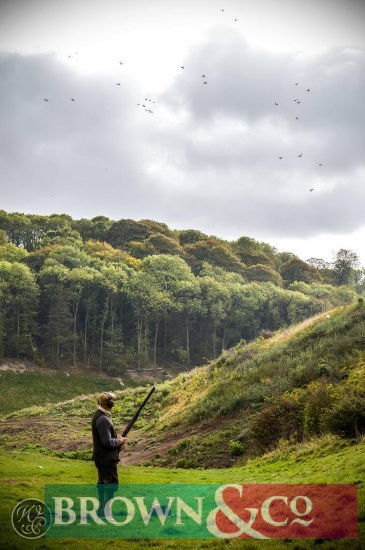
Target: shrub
347,415
235,448
186,463
318,399
281,418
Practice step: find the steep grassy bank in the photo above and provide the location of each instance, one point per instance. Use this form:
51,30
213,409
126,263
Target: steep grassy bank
299,384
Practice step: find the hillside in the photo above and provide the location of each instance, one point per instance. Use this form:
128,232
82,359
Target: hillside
272,393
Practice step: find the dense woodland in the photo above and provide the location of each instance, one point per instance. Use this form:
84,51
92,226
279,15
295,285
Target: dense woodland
117,295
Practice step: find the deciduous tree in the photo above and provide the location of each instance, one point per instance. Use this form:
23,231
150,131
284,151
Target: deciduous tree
344,265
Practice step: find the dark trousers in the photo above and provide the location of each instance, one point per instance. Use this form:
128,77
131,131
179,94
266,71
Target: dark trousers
107,482
107,473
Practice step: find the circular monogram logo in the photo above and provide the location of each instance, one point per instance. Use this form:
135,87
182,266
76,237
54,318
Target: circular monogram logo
28,518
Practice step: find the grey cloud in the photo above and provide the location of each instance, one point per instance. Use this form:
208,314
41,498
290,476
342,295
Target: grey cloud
208,157
246,84
240,81
79,156
337,211
229,142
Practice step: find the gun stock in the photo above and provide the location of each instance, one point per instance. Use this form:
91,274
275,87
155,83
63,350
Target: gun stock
137,413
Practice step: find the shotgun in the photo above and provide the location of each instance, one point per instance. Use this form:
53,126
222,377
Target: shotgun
137,413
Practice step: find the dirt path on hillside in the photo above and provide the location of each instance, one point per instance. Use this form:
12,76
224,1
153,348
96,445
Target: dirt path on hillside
283,334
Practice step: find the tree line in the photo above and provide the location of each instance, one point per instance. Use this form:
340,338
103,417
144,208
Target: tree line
125,294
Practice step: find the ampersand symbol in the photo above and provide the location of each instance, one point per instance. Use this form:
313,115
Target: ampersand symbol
243,527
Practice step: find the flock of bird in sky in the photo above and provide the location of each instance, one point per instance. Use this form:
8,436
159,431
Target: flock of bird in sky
147,102
297,101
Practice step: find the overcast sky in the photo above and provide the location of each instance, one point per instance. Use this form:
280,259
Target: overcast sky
234,117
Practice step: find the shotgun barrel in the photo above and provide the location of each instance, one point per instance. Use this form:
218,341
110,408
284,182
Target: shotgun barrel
137,413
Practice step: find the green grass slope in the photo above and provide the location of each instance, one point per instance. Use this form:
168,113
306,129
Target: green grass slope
302,383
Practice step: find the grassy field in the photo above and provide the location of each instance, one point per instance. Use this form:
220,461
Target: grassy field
324,460
27,388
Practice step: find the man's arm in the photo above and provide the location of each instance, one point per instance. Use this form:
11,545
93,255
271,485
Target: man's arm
103,427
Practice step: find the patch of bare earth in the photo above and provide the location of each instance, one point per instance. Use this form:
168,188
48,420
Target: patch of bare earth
74,434
71,435
144,449
45,431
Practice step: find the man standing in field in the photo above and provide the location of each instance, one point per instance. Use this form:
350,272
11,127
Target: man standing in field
106,448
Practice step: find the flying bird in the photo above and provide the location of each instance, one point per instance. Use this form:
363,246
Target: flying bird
310,190
45,99
118,83
280,158
300,156
182,67
72,100
204,82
